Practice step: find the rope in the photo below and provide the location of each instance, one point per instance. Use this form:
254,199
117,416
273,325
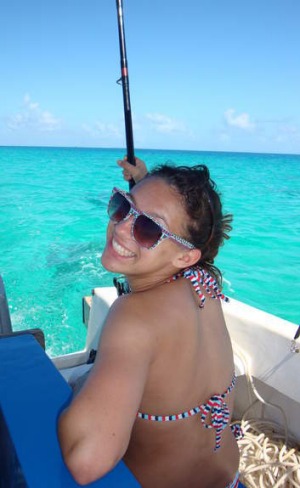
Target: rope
268,457
266,460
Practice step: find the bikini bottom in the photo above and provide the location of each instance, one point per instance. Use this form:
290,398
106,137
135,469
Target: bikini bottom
236,483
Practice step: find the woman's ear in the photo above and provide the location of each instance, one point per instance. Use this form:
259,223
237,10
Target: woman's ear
187,258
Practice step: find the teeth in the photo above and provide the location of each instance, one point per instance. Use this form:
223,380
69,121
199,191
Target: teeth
121,250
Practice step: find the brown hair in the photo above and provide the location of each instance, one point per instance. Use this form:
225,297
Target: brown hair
207,227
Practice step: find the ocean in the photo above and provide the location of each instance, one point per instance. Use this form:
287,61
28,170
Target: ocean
53,220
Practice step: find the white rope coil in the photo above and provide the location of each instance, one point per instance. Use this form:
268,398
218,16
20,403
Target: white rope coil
266,460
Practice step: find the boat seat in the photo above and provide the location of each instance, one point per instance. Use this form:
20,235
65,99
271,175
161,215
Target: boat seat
37,333
32,395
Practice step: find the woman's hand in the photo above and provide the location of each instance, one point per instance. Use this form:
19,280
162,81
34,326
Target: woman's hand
136,172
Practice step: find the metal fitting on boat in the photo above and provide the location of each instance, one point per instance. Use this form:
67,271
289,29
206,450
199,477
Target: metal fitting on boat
294,346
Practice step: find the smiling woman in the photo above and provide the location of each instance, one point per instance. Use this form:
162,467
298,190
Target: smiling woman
158,340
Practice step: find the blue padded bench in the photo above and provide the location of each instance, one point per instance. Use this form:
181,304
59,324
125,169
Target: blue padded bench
32,394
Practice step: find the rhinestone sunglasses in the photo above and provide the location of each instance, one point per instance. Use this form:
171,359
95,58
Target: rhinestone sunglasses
145,230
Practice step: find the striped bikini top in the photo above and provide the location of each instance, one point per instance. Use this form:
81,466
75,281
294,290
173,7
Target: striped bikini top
216,405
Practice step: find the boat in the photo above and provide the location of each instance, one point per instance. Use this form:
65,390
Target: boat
267,363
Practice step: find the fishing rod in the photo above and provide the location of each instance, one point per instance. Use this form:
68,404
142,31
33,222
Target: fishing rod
121,283
124,81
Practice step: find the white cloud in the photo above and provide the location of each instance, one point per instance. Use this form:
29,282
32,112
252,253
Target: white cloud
29,104
241,121
109,130
164,124
224,137
103,130
288,132
31,115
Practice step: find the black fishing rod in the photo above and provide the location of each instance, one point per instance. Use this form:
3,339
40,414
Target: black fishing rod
124,81
121,283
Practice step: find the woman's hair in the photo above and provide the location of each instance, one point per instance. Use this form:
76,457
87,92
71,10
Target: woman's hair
207,227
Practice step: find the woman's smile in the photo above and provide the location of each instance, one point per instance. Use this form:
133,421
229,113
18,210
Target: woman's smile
121,251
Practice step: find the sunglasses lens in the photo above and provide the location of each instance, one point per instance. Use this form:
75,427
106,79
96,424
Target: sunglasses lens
118,207
146,232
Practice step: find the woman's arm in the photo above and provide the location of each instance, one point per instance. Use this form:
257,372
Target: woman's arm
95,430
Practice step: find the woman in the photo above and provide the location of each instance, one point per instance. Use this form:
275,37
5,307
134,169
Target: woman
160,394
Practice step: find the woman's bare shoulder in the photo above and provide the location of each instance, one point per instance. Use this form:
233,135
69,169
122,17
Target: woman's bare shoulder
128,321
142,301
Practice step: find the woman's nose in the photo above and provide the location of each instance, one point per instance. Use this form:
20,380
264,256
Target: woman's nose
125,225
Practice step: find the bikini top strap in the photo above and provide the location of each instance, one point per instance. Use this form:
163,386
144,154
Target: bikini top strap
199,276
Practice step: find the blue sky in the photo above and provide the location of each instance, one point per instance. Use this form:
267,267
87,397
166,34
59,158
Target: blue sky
204,74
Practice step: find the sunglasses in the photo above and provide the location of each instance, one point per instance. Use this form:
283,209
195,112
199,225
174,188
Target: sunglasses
145,230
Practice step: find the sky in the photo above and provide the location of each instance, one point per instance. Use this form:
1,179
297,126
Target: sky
207,75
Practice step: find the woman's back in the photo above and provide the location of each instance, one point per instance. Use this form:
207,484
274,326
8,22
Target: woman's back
193,362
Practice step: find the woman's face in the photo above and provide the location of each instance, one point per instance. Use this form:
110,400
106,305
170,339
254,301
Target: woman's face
122,254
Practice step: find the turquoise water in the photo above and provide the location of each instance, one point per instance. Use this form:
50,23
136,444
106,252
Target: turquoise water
53,220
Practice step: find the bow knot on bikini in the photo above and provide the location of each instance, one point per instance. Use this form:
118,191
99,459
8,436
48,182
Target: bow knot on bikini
219,416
